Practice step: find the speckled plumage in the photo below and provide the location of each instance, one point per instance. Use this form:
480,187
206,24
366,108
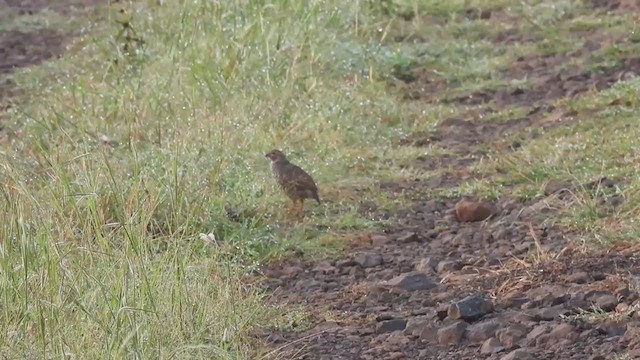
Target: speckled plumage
294,182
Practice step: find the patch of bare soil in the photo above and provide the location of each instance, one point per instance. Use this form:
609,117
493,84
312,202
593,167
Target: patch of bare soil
21,48
512,286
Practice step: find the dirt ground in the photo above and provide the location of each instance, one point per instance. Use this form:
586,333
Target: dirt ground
510,287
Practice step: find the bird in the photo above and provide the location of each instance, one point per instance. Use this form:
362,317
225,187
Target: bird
292,180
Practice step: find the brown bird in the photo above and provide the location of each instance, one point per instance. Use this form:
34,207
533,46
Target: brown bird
294,182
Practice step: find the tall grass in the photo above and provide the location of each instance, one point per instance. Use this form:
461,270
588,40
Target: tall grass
119,162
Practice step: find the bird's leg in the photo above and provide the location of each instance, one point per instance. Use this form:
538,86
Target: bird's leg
301,209
292,206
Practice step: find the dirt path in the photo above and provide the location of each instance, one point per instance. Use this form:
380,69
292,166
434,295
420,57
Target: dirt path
511,287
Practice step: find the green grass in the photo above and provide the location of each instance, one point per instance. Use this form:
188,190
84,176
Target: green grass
119,162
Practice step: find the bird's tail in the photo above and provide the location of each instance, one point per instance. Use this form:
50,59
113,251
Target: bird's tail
317,198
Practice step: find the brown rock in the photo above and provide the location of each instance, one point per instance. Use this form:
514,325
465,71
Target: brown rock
580,277
367,261
491,346
412,281
427,265
536,333
452,334
429,333
563,331
480,332
511,335
606,302
471,211
519,354
470,308
448,266
387,326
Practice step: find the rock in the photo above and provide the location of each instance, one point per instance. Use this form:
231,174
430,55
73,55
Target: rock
388,326
491,346
549,313
412,281
416,324
511,335
448,266
536,333
367,261
519,354
429,333
409,238
606,302
622,308
563,331
384,315
612,328
452,334
427,265
515,300
549,295
480,332
324,267
470,308
471,211
580,277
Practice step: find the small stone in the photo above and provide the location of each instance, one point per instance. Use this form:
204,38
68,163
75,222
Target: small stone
412,281
409,238
427,265
480,332
452,334
491,346
388,326
471,211
470,308
519,354
368,261
580,277
511,335
448,266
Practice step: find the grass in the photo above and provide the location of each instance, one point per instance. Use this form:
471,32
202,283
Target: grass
122,158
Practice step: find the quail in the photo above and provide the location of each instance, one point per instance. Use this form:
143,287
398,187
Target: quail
294,182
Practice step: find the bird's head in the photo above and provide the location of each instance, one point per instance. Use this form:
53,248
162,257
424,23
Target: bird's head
276,156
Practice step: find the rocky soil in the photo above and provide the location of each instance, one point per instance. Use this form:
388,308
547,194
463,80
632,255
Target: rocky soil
488,281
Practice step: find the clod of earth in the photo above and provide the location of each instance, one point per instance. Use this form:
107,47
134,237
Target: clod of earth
471,211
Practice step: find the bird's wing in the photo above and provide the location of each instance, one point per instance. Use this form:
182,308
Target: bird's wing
301,179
